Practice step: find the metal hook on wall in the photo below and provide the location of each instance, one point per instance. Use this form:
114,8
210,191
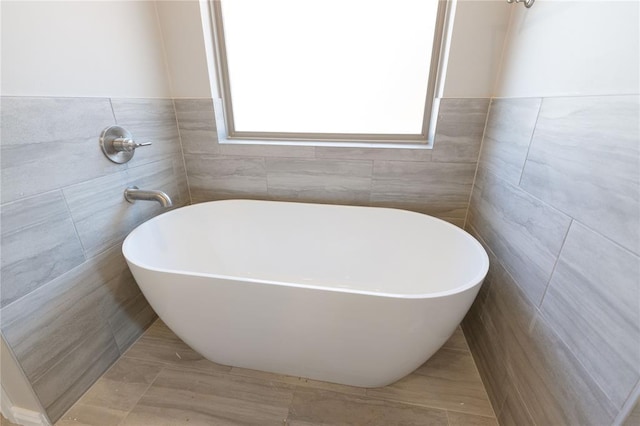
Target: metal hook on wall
527,3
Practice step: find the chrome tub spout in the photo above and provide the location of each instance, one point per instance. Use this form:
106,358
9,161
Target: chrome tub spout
133,193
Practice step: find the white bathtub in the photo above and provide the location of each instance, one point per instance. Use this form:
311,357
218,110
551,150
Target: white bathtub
354,295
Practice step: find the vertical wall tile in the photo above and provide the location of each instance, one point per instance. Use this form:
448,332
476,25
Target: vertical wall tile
487,354
183,196
585,160
59,332
555,387
101,214
130,320
440,189
459,130
397,154
218,178
125,308
523,232
48,323
323,181
48,143
39,243
197,126
509,131
36,120
507,309
159,175
592,303
62,385
67,318
577,361
259,150
514,412
149,120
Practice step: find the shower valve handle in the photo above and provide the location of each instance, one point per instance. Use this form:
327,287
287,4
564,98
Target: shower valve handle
118,145
127,144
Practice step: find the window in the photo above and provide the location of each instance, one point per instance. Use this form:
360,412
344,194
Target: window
330,70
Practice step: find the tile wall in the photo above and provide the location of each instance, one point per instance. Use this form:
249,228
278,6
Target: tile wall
555,329
437,182
556,202
69,305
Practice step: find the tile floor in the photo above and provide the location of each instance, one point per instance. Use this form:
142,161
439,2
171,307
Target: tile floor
161,381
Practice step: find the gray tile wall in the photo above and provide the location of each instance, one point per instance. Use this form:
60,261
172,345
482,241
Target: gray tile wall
69,304
556,202
436,182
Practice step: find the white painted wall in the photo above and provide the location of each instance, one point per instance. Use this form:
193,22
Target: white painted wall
82,48
184,42
115,48
477,42
572,48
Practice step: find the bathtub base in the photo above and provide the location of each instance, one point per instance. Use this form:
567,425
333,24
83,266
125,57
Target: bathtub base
329,336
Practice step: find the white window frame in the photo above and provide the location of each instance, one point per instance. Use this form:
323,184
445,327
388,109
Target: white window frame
224,106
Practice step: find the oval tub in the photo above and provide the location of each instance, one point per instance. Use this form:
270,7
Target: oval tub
360,296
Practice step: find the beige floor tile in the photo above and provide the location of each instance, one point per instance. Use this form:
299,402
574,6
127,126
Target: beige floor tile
161,381
449,380
5,422
89,415
189,397
298,381
123,385
463,419
457,341
321,407
160,344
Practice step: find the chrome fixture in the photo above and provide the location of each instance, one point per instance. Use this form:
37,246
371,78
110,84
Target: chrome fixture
527,3
118,145
132,193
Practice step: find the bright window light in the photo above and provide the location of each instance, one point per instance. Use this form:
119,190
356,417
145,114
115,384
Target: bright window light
347,67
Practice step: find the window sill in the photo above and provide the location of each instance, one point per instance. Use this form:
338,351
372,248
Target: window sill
337,144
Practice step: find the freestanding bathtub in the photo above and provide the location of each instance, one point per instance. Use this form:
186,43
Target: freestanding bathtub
354,295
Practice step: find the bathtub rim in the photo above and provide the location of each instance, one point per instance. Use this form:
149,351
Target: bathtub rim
475,281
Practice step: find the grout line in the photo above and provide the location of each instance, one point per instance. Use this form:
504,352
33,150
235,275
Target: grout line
79,400
628,407
184,161
102,352
477,370
113,111
526,158
505,43
164,51
290,406
561,211
73,222
540,318
555,265
475,175
142,395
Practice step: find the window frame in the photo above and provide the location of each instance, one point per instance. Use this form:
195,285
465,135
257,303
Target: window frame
437,71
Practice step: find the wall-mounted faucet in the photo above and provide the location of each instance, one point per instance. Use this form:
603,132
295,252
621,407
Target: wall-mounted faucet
132,193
